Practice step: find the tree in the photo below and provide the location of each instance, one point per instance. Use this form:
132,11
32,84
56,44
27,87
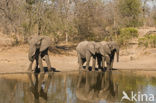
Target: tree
129,11
154,15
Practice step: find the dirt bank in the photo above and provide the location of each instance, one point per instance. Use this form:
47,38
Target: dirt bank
15,59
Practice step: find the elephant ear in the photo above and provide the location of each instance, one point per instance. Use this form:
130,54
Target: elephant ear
91,47
107,49
104,50
34,43
45,43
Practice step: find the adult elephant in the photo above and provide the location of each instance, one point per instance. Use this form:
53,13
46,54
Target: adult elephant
86,50
38,48
106,53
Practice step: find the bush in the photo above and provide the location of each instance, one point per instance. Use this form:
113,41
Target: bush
148,41
126,34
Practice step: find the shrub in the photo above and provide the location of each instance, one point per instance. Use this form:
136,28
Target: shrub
126,34
148,41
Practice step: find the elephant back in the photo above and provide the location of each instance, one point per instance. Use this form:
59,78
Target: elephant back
82,45
103,43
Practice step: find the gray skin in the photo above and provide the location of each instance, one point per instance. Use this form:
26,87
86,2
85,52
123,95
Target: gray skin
103,54
107,53
86,50
38,48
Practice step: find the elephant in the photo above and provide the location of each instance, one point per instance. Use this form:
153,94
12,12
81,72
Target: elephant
38,48
106,52
96,86
114,47
86,50
102,54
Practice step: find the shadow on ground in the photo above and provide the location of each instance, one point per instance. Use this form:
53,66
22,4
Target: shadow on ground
97,69
46,70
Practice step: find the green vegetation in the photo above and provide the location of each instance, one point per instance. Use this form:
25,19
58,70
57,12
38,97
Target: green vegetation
129,11
126,34
148,41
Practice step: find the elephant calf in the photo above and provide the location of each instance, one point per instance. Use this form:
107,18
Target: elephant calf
38,48
86,50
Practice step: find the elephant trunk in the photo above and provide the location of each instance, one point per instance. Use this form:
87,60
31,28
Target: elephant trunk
31,53
117,55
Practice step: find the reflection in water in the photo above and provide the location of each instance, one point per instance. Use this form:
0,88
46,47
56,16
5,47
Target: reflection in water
39,88
83,87
95,86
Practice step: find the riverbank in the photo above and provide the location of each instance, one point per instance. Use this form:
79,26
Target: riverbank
15,59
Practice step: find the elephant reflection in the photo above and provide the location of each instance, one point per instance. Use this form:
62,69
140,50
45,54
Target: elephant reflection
39,87
95,86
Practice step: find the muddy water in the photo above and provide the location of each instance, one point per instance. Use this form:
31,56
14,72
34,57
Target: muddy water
75,87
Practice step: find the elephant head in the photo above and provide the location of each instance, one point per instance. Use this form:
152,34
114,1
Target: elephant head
91,47
114,47
103,48
37,42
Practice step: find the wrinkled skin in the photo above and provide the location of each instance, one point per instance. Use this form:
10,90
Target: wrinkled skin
38,48
86,50
106,54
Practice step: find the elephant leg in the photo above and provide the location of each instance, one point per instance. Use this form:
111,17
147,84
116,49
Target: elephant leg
80,62
36,64
30,66
48,62
108,62
40,63
103,62
88,56
112,60
99,61
83,61
94,62
36,68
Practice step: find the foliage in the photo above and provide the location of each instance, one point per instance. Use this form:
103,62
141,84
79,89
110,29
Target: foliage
129,11
148,41
154,16
126,34
71,20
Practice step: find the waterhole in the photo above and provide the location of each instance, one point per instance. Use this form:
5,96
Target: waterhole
79,87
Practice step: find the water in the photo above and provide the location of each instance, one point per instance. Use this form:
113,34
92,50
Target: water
75,87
